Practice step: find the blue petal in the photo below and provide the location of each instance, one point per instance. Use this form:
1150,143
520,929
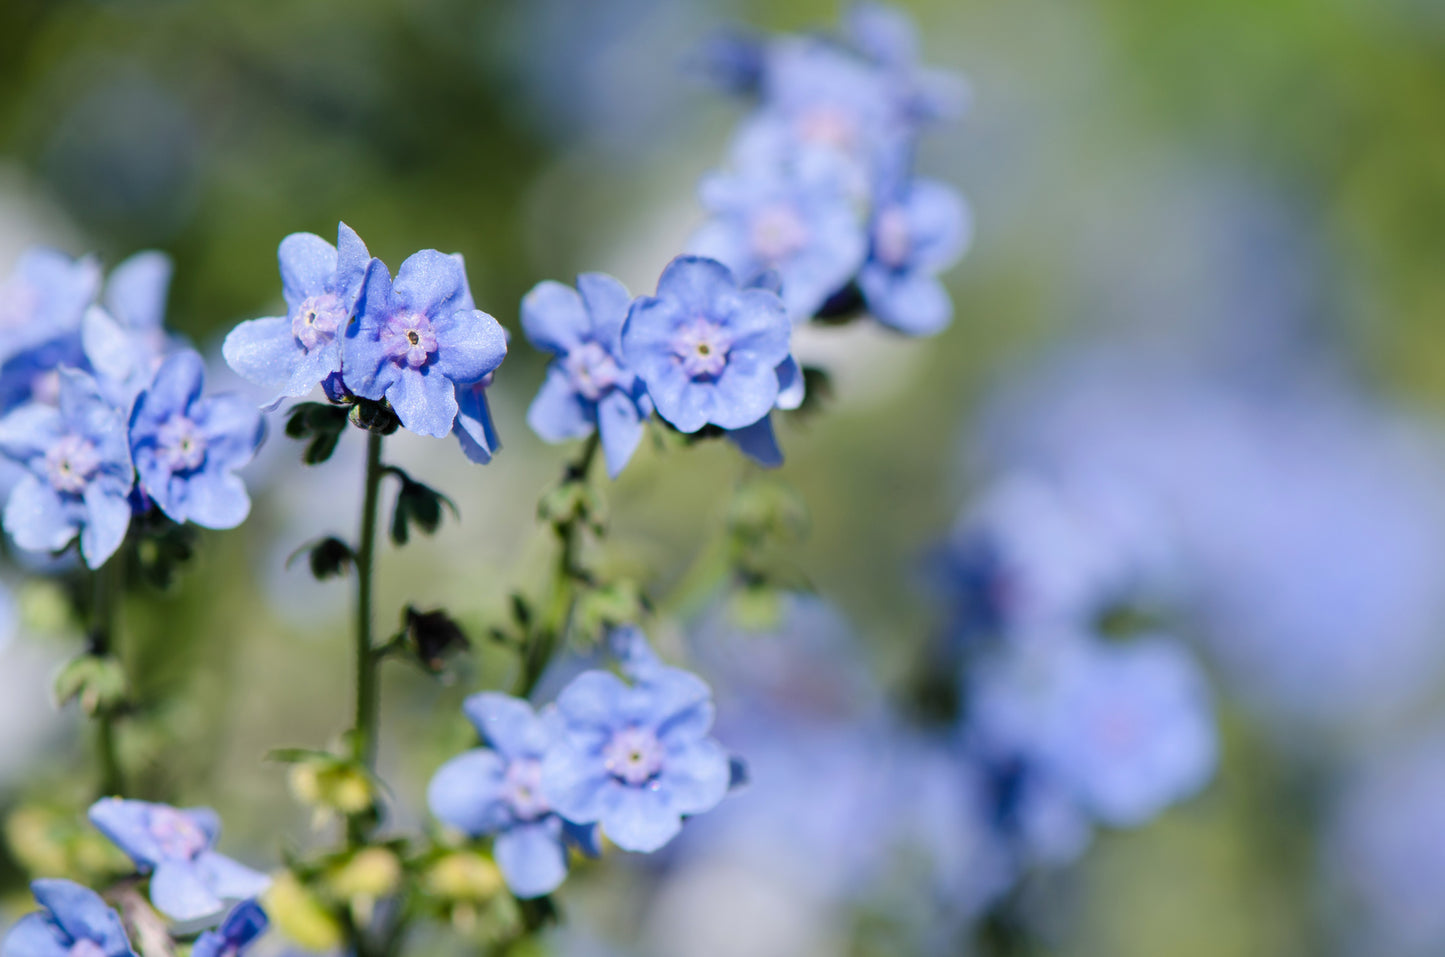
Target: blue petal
365,366
558,413
179,891
791,385
29,431
265,352
431,283
352,260
584,837
233,429
507,724
940,224
696,776
621,426
107,517
760,327
212,500
135,293
206,819
474,427
554,317
127,824
606,300
246,922
912,303
746,391
117,357
466,793
532,858
34,936
758,442
81,913
177,383
696,283
424,400
470,344
593,699
576,785
229,879
38,519
307,264
639,819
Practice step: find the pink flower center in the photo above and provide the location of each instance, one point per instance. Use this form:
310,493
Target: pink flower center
702,348
71,463
317,320
591,370
409,339
778,232
633,756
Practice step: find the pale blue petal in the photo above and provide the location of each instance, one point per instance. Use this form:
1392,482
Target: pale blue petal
592,699
607,301
265,352
758,442
912,303
179,891
229,879
639,819
621,426
466,793
746,391
791,385
81,913
696,776
352,260
424,400
558,413
107,517
470,344
211,500
431,283
532,858
135,293
554,317
38,519
233,429
696,282
576,785
307,264
30,431
127,824
507,724
35,936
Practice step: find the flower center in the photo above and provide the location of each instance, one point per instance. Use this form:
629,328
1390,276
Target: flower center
633,756
180,445
85,948
71,463
778,232
702,348
178,836
592,370
828,125
892,239
409,339
317,320
523,789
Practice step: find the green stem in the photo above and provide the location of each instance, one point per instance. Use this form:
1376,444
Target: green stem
102,644
365,727
567,572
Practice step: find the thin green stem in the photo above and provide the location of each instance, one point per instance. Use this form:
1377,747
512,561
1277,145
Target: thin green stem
365,727
103,614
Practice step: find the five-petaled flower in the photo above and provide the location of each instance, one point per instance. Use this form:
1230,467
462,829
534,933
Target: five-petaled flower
419,338
294,353
589,386
707,350
75,923
918,232
188,880
635,758
242,927
497,790
186,446
80,473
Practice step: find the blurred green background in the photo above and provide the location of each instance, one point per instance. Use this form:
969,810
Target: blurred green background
1106,144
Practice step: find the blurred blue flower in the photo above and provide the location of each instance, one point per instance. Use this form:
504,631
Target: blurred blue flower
76,923
124,339
292,354
708,351
242,927
635,758
187,446
799,220
41,304
79,472
189,880
419,338
887,36
497,790
917,232
589,385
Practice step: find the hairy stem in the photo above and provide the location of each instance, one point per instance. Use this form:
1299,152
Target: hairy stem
365,727
107,583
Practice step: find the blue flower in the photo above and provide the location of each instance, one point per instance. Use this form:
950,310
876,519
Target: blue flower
888,37
189,880
917,233
124,339
589,385
708,351
186,447
800,220
497,790
635,758
80,473
417,339
243,925
76,923
41,304
321,283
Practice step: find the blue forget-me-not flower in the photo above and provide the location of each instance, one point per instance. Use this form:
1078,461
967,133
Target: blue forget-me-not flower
497,790
80,473
75,923
707,350
187,446
635,758
589,385
918,231
292,354
418,338
189,880
242,927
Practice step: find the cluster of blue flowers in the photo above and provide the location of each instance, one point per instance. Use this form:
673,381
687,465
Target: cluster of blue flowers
630,760
190,883
820,192
105,414
418,341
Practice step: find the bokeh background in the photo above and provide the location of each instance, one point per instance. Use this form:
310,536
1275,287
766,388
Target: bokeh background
1208,254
